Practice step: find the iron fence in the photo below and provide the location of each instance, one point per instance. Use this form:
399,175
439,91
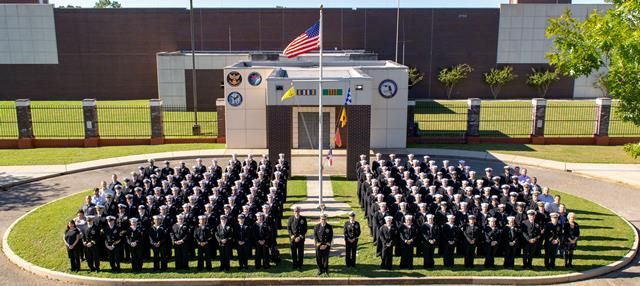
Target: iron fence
57,120
178,121
8,120
570,118
505,119
124,120
441,118
618,127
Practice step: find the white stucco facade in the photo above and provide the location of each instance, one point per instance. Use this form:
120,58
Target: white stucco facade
27,34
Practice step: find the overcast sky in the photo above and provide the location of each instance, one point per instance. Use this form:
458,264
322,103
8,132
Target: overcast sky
303,3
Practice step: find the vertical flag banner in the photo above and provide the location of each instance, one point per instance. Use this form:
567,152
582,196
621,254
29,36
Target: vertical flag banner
330,157
338,138
343,117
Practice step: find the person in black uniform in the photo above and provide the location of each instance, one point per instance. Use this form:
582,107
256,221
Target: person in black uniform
511,236
408,235
323,236
90,238
531,234
72,242
224,236
297,228
180,236
552,238
449,238
112,242
134,240
157,241
386,238
571,235
244,242
262,235
492,237
351,236
429,233
472,236
202,239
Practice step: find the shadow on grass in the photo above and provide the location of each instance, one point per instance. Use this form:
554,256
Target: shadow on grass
585,212
476,147
599,238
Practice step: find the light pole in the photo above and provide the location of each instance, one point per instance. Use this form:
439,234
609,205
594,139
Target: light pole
196,126
397,29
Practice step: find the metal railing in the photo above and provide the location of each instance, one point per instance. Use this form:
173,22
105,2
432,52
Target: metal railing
178,121
117,120
441,118
618,127
8,120
505,119
570,118
57,120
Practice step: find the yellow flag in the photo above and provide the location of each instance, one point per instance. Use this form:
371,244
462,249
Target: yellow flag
343,118
289,94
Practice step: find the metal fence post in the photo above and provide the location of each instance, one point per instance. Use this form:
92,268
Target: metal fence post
90,114
25,125
412,127
220,114
157,128
473,117
539,108
603,116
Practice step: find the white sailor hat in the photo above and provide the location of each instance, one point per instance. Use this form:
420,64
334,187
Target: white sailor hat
122,206
296,208
506,167
421,205
484,205
388,218
461,162
99,207
554,214
437,195
510,218
471,217
531,212
463,203
185,205
504,187
267,206
520,204
443,203
488,169
495,178
201,217
382,204
445,161
133,220
451,216
224,217
363,156
540,203
245,207
260,214
156,217
476,197
90,217
457,195
491,219
513,194
514,177
180,216
468,189
111,217
501,205
408,216
227,206
398,196
430,216
163,207
403,204
431,162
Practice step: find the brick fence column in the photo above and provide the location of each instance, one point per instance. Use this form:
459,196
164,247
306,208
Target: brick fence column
473,117
220,110
157,126
90,114
538,111
603,115
25,125
358,136
412,127
279,133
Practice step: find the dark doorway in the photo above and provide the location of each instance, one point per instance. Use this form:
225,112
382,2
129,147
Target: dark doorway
308,130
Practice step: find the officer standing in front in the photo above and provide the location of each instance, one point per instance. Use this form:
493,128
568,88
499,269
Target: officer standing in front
297,228
552,239
430,236
112,242
386,238
90,238
224,236
531,234
351,235
323,236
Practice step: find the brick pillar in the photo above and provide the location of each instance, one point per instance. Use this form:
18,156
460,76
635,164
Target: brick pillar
157,126
473,117
359,136
90,114
25,126
220,110
603,115
279,133
539,108
412,127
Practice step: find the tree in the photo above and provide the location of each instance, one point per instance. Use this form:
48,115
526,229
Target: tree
601,84
542,80
449,77
107,4
415,76
609,40
497,78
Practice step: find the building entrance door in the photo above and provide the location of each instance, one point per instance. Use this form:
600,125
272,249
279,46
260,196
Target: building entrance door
308,130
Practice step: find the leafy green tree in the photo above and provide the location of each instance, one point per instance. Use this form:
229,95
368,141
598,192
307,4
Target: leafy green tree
601,84
415,76
605,39
496,78
107,4
542,80
451,76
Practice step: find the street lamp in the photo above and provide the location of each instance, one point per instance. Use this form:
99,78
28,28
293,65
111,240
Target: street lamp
196,126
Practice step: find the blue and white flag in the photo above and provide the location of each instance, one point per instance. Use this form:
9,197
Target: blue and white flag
348,99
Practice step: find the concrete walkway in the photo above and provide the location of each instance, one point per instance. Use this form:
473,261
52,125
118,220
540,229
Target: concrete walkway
333,209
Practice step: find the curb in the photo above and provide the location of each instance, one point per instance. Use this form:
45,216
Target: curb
87,280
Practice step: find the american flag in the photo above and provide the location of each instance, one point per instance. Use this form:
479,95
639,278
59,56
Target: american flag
330,157
306,42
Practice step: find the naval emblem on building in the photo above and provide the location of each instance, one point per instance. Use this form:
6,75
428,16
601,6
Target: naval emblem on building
234,78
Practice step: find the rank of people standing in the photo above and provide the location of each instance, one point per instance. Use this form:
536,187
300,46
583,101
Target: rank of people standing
419,208
204,213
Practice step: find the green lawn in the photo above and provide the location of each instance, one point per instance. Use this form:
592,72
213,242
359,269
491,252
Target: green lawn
54,156
564,153
605,239
116,119
512,118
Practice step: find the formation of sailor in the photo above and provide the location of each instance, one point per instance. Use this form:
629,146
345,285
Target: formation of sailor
420,208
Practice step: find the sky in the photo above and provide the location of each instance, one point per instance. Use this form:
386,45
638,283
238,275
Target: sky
302,3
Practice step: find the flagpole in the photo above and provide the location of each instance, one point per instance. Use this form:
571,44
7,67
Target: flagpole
321,206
